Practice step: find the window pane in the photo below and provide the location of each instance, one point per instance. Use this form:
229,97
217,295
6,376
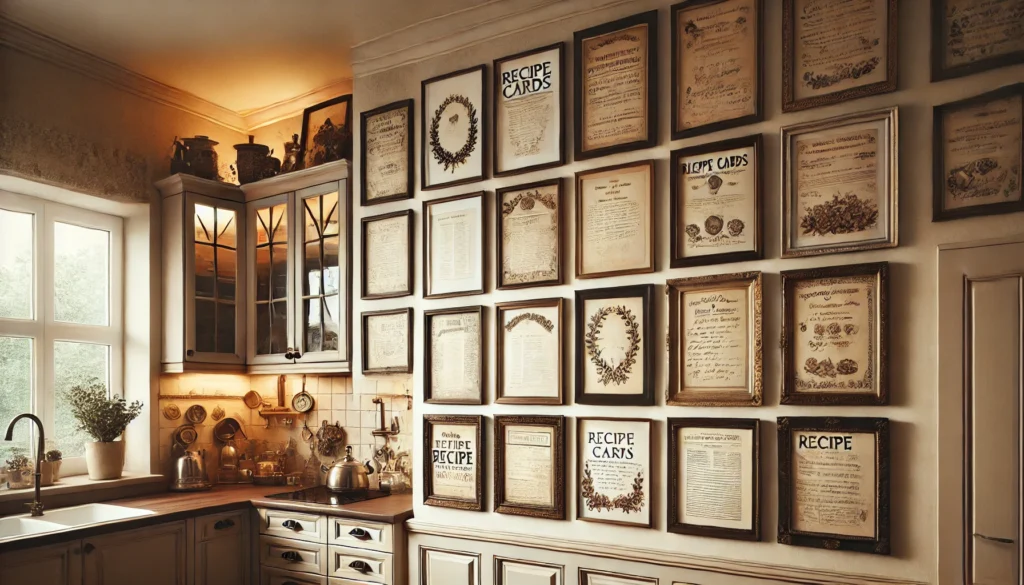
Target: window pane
206,323
75,364
15,390
81,274
204,224
204,270
15,265
225,328
226,228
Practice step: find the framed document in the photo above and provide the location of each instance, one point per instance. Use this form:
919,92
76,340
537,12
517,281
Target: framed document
453,470
613,470
386,242
840,185
615,220
386,147
717,48
714,340
714,470
387,341
453,132
529,338
529,466
528,233
616,86
834,483
529,111
835,335
595,577
837,51
453,355
614,345
978,154
970,36
716,203
453,245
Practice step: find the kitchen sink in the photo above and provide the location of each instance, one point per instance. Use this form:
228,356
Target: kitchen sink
65,518
15,527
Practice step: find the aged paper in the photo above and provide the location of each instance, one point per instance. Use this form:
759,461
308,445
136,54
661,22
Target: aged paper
614,93
530,353
835,322
716,470
718,203
716,339
613,340
615,218
614,478
452,133
454,464
979,30
717,62
838,45
387,154
387,255
529,235
981,153
834,483
455,357
454,246
387,341
529,465
528,120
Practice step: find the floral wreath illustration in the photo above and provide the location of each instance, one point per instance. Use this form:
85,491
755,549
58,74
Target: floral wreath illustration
451,160
620,373
631,502
538,319
527,201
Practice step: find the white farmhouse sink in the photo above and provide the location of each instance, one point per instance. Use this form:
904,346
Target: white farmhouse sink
66,518
17,527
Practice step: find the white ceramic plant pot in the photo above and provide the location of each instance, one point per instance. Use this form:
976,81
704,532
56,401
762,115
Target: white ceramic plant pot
45,474
104,460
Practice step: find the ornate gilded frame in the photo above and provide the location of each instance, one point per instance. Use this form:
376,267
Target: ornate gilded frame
557,423
429,420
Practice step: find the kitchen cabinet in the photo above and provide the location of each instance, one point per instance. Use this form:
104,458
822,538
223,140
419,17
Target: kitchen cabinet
222,549
50,565
155,555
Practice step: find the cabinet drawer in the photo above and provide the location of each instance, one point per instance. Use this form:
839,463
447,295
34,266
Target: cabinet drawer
360,534
293,555
359,565
218,525
309,527
272,576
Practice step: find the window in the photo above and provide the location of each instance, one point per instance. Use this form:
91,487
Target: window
61,317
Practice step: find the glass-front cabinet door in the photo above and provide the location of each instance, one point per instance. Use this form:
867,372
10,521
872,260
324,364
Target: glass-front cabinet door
271,251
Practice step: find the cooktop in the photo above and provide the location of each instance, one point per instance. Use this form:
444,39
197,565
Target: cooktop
322,495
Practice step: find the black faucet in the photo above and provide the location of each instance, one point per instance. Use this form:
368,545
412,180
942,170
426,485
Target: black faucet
36,506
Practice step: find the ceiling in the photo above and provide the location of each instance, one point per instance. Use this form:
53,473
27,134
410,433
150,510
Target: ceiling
242,55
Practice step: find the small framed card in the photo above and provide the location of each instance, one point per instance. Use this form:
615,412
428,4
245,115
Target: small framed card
613,463
614,346
386,161
453,464
453,246
453,356
528,233
453,133
387,341
386,244
529,111
529,338
529,466
615,220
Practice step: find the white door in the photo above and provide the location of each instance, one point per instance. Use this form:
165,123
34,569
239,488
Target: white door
270,226
981,372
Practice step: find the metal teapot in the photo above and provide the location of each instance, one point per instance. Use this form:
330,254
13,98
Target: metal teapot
349,474
190,472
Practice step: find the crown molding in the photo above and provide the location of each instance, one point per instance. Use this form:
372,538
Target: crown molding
282,110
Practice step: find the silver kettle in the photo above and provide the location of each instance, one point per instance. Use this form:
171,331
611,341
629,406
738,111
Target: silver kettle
349,474
190,472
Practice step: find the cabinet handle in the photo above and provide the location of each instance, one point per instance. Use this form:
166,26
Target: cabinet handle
292,525
995,538
88,548
289,354
360,566
296,355
291,556
222,524
359,533
190,353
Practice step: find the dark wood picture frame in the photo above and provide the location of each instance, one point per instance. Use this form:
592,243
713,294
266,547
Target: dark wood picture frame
938,38
428,357
363,265
789,49
580,176
649,470
649,338
410,135
304,137
424,130
939,213
557,424
364,338
427,205
560,100
499,337
880,544
650,19
676,192
880,270
499,234
429,420
677,38
672,522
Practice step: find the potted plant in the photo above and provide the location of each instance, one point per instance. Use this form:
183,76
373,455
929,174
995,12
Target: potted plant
19,472
105,418
50,469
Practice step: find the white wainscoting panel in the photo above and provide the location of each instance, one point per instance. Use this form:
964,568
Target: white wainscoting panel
448,567
520,572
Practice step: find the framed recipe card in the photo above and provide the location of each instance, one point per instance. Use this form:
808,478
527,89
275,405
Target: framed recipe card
835,335
613,471
453,246
615,220
386,242
529,338
970,36
837,51
454,121
386,146
840,185
714,340
724,37
453,464
716,203
529,466
453,356
614,345
714,470
387,341
978,154
528,234
821,458
529,111
616,85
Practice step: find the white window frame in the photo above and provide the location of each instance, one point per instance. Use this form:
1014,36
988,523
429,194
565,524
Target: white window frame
43,328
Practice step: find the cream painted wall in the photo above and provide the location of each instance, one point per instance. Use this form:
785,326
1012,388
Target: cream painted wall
913,297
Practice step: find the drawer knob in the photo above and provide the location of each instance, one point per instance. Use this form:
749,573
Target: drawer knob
292,525
360,566
291,556
88,548
223,524
359,533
